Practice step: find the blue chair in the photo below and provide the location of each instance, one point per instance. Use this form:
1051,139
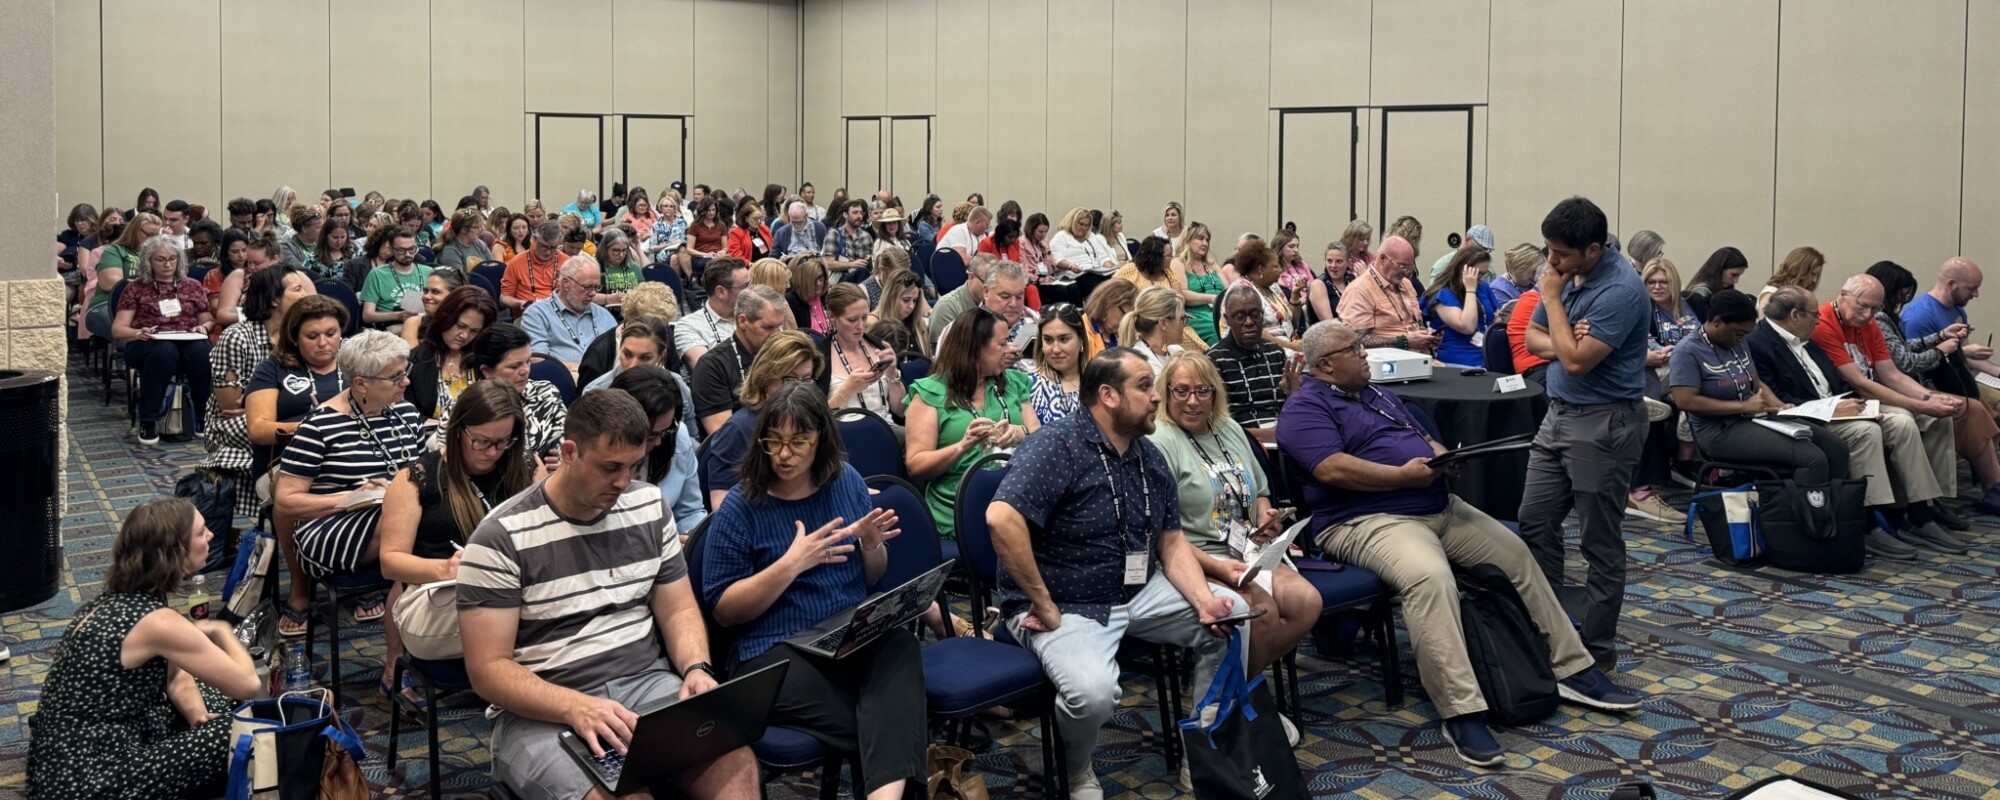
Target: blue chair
871,443
915,369
947,270
114,350
701,473
434,678
663,273
920,257
197,272
917,549
1424,418
340,292
483,282
493,272
553,371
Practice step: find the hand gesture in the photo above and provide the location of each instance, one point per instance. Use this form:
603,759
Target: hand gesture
1956,330
1977,352
1042,618
601,723
821,546
1212,609
977,432
872,529
1580,329
1551,285
1472,274
1293,373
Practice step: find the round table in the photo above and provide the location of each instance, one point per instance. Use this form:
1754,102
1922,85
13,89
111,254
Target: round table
1467,412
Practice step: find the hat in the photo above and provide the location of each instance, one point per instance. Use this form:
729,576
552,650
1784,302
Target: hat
890,215
1481,234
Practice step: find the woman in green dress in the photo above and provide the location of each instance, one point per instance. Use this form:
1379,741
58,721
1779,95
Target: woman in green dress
970,405
1204,281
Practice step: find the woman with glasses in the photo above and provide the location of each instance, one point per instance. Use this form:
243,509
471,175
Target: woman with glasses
1060,352
796,541
434,503
301,373
1225,501
504,353
620,266
787,357
971,404
163,317
343,455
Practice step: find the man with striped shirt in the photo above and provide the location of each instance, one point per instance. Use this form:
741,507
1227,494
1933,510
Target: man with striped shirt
559,594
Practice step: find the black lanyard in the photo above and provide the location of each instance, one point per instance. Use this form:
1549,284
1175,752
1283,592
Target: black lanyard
1240,488
1377,390
571,328
368,430
1118,500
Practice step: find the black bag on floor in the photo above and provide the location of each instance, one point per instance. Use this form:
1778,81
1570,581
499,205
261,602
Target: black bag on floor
213,493
1814,528
1507,651
1242,753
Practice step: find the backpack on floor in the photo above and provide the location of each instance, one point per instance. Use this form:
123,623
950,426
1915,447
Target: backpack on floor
1507,651
213,493
1820,528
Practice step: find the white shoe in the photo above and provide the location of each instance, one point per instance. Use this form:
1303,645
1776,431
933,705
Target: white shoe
6,654
1083,786
1656,410
1291,731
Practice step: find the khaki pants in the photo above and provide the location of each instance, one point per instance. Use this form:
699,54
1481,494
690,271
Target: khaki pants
1414,555
1905,458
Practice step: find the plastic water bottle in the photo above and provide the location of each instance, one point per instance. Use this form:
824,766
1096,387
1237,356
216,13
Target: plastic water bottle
298,669
198,597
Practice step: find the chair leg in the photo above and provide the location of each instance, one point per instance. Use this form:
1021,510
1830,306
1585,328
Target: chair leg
829,778
1055,777
431,728
1392,661
333,643
1292,681
395,717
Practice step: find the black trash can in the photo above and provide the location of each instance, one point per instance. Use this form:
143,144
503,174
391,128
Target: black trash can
30,511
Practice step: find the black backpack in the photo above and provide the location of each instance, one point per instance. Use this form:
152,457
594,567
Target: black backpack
1507,651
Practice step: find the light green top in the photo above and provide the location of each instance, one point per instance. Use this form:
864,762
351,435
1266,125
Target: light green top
1208,469
941,494
385,288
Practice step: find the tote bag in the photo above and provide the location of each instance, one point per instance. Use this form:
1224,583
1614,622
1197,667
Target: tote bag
1729,518
296,745
1241,753
427,617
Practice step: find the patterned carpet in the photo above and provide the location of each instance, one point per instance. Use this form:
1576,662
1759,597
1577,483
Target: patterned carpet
1883,683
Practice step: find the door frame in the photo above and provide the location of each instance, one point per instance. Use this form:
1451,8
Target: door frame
1382,177
930,132
847,149
1353,154
541,115
625,143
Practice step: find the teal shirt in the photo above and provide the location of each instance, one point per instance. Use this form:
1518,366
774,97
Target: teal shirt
1218,477
385,288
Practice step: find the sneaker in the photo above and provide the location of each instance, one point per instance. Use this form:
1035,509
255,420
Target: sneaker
1881,545
6,653
1467,733
1083,786
1949,519
149,433
1656,410
1989,504
1291,731
1654,509
1591,688
1955,538
1931,537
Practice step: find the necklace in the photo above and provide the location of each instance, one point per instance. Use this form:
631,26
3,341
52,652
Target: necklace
389,459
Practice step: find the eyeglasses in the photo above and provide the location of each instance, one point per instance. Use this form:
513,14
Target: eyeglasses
403,251
656,437
400,377
796,444
586,288
166,259
1199,393
486,445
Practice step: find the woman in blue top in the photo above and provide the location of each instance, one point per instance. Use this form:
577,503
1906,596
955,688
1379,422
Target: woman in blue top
1461,307
794,543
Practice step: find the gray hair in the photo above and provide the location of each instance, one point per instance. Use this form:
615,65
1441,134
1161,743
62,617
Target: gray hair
1007,269
575,266
1239,289
1787,302
982,266
1644,247
755,298
369,352
1318,341
550,231
155,244
585,196
795,205
1335,246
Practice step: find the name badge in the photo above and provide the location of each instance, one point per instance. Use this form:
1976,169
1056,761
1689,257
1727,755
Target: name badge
170,308
1135,569
1239,538
413,301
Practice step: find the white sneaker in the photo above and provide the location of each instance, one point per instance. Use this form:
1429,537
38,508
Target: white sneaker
1654,509
6,653
1656,410
1291,731
1083,786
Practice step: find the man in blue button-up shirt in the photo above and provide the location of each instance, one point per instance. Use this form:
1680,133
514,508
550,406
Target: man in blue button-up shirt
565,324
1086,513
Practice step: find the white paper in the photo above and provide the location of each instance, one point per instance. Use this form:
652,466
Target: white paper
1263,558
1792,429
1788,790
362,499
1986,380
1509,383
1823,409
180,336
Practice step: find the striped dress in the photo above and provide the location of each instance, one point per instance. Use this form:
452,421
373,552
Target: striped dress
339,452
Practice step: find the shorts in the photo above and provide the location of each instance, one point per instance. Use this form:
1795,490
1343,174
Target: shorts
528,757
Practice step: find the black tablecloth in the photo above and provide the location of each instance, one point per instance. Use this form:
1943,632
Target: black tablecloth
1467,411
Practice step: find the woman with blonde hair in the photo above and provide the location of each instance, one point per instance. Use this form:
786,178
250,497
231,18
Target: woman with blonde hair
1294,274
773,273
852,377
805,293
463,247
1172,223
1410,229
1202,280
903,304
1081,257
1801,268
1154,327
1355,238
1152,269
1522,260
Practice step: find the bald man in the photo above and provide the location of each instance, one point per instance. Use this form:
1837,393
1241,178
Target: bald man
1381,303
1941,311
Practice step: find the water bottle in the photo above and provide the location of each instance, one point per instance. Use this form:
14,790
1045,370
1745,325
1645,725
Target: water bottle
198,597
298,670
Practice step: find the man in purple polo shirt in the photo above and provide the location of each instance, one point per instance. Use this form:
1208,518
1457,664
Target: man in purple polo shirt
1377,503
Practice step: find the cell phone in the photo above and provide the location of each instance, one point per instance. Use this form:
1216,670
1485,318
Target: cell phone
1236,618
1472,373
882,365
1284,515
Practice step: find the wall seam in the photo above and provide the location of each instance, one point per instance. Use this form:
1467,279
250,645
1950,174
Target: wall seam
1964,110
103,186
221,112
1485,142
331,179
1777,118
1618,196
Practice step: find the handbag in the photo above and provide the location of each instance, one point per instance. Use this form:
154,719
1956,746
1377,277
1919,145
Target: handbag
1729,517
427,617
1819,528
1247,756
174,421
245,585
952,775
296,745
213,493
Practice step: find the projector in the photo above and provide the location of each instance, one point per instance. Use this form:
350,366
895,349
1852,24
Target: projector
1393,365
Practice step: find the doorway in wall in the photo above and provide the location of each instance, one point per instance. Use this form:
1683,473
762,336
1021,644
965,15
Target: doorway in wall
1426,170
1318,190
569,156
653,151
890,152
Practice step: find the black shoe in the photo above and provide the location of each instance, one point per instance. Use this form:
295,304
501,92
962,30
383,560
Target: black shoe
1468,734
149,433
1948,518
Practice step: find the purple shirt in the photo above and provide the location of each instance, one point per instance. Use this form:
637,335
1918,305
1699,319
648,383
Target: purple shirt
1320,421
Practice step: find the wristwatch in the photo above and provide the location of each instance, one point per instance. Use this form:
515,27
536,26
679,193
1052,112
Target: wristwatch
699,666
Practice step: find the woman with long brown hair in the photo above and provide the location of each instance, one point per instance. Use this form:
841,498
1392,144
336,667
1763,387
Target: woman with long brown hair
969,405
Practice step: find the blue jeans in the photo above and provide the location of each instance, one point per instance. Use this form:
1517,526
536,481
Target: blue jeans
157,363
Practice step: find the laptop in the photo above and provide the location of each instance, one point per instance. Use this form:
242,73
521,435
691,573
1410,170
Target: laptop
685,733
847,631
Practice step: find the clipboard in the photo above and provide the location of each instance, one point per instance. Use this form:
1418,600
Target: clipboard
1510,444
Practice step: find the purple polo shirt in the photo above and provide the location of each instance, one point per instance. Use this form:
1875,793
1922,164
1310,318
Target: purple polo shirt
1320,421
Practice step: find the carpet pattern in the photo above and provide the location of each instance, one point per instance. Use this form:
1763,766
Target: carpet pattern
1883,683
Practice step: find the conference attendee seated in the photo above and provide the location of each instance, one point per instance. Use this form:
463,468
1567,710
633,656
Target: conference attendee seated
393,288
441,282
964,298
1154,328
970,405
258,254
715,321
1460,306
1059,354
502,353
1087,528
1889,454
788,357
377,252
463,248
1928,360
797,233
433,505
1225,504
243,348
1258,264
1377,502
160,298
552,657
652,301
1381,303
354,441
301,373
849,246
137,700
1104,309
851,355
569,322
531,276
760,313
1852,340
805,294
1005,294
641,341
1258,373
670,460
438,372
1714,381
795,542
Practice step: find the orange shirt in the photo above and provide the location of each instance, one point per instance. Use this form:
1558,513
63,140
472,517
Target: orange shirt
527,279
1517,331
1371,308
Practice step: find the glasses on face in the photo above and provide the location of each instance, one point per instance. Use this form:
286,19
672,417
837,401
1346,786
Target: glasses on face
165,260
399,377
586,288
1198,393
797,444
485,445
403,251
656,437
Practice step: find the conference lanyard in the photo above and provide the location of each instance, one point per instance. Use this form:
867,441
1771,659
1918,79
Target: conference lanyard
1118,502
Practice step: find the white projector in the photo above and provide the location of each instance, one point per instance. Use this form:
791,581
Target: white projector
1393,365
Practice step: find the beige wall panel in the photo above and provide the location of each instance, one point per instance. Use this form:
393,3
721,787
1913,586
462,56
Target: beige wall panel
1479,119
1891,163
1544,145
731,99
1980,221
781,124
569,158
1319,52
79,108
1228,124
568,65
1317,184
384,116
276,134
1080,103
1150,110
1018,79
821,126
1427,52
1426,165
170,141
651,151
863,173
652,52
959,141
478,126
909,164
912,64
1698,131
864,63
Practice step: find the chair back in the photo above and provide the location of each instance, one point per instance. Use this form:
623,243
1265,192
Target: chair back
916,549
664,273
975,541
553,371
1498,349
947,270
340,292
493,272
871,443
920,257
701,472
483,282
197,272
1424,418
915,369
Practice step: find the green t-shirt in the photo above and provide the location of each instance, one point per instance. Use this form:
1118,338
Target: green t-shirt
621,279
116,257
1217,475
941,494
385,288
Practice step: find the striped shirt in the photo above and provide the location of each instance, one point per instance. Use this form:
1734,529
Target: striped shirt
339,452
1254,379
745,538
583,587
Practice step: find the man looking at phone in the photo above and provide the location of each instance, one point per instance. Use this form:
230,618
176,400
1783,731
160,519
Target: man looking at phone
1378,503
1087,527
1006,295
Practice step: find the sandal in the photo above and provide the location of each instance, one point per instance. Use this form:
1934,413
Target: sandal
293,624
371,610
407,695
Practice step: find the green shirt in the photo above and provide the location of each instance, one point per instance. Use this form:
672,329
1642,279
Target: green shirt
952,304
618,280
1005,402
1207,470
385,287
116,257
1202,317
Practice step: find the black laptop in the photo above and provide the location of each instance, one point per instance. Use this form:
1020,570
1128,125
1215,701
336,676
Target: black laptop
685,733
847,631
